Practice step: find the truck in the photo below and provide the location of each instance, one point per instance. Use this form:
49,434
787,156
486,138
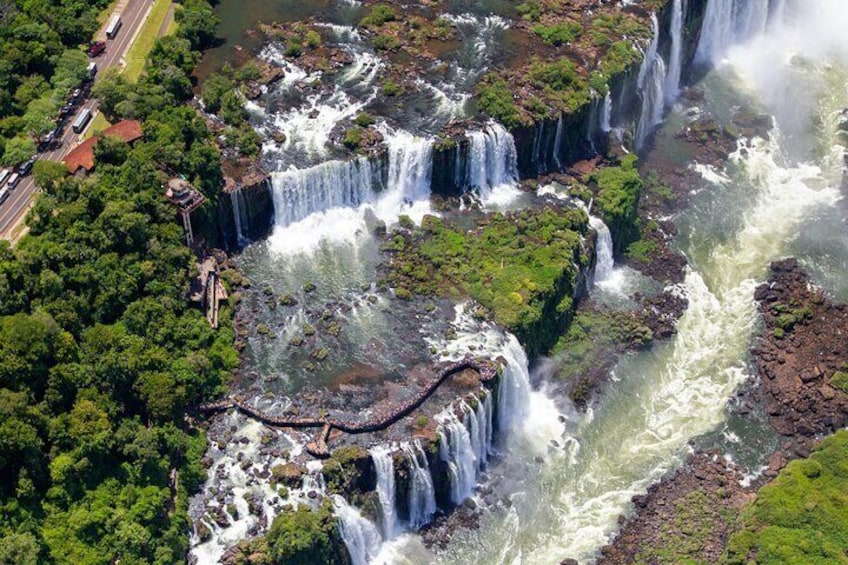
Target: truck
96,48
113,27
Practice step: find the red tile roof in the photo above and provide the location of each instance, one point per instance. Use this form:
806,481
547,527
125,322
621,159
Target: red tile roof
82,156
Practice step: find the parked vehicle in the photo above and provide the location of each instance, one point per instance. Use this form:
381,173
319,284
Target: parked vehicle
4,194
81,121
46,141
26,167
91,70
97,48
113,27
76,94
4,175
13,181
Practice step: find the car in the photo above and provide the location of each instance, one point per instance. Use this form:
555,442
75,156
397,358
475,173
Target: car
97,48
25,168
66,110
76,94
13,181
45,142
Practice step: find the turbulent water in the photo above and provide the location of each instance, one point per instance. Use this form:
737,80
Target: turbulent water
568,505
562,478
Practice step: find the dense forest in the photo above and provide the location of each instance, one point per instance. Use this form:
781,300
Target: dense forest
100,354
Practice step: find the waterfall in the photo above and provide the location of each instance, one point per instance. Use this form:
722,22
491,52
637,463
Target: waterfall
672,79
360,535
456,450
558,143
651,84
410,165
492,158
603,250
422,494
514,389
385,465
606,113
235,199
332,184
727,22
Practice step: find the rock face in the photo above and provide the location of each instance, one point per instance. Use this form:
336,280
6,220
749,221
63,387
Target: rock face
802,352
688,515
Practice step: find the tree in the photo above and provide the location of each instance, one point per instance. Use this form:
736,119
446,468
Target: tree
110,150
111,90
39,117
197,23
18,149
48,173
213,90
70,70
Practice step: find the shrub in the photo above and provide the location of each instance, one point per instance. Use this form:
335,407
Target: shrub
391,88
495,99
385,42
352,138
379,15
559,33
364,119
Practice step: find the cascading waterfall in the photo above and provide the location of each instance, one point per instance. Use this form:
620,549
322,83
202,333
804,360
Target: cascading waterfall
360,535
728,22
299,193
492,158
235,199
514,389
651,86
456,450
606,113
672,79
604,263
422,493
558,143
385,466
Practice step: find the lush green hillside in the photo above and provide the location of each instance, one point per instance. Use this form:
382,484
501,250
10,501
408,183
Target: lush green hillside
99,352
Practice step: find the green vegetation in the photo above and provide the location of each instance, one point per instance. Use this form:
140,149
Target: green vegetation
531,10
390,88
380,14
364,119
494,98
839,380
100,355
618,190
42,64
307,536
560,82
146,38
386,42
522,266
802,516
593,334
352,138
641,251
559,33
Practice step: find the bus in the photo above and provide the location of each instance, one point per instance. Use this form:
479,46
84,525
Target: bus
4,174
4,194
113,27
81,121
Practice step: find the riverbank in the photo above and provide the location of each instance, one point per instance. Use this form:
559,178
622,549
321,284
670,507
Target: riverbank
800,382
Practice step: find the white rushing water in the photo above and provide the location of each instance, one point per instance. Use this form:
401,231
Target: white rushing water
492,161
672,79
385,467
360,535
651,85
604,263
728,22
422,493
568,505
606,113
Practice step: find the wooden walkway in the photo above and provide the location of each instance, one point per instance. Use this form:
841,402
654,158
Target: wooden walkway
318,448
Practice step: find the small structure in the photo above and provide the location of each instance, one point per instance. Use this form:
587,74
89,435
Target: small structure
184,196
82,156
207,290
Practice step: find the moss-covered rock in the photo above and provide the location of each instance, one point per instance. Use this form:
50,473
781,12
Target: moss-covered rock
521,266
307,536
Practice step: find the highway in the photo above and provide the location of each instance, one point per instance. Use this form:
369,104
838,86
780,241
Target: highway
132,16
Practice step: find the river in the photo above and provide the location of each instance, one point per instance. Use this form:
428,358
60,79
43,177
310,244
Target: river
563,487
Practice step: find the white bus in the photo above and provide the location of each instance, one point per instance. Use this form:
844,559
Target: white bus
4,174
4,194
81,121
113,27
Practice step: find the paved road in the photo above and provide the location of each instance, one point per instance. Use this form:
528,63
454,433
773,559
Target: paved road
18,202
